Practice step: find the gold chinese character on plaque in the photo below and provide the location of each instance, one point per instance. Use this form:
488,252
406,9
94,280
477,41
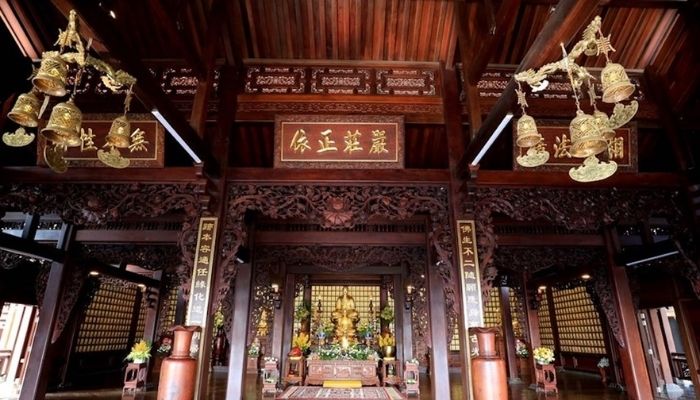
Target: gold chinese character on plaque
207,226
326,143
562,147
378,142
299,142
352,142
616,147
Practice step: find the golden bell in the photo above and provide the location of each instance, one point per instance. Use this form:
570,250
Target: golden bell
603,123
118,135
586,138
52,75
616,84
527,135
64,125
26,110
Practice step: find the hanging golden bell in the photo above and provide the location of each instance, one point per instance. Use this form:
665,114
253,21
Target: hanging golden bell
586,138
616,84
527,135
26,110
64,125
603,123
52,75
118,135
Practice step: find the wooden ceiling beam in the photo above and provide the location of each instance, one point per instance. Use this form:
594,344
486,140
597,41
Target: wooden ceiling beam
24,34
569,17
178,39
624,3
147,89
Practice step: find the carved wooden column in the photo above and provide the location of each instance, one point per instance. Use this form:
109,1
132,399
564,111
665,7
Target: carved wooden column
532,321
508,335
439,365
403,319
278,319
632,354
287,308
241,308
36,375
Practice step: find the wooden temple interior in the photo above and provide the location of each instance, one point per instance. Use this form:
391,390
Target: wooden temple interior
228,204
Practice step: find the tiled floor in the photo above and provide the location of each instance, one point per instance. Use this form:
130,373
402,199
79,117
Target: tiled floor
572,386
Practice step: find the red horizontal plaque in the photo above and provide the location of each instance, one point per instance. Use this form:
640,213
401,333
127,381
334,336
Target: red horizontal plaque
151,156
557,140
334,141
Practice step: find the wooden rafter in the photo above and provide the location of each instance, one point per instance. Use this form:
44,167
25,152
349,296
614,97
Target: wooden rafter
27,39
180,40
565,22
147,89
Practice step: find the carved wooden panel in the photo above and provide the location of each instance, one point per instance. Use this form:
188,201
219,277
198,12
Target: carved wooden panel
338,207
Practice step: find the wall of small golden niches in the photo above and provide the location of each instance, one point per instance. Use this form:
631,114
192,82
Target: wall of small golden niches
107,323
578,322
168,320
546,335
362,295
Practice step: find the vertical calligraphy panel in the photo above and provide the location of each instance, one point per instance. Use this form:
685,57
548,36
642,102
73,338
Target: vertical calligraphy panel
200,292
472,307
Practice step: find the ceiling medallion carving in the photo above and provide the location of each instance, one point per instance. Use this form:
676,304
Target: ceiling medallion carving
319,204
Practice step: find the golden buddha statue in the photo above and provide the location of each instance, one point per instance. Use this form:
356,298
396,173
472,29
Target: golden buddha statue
345,317
262,324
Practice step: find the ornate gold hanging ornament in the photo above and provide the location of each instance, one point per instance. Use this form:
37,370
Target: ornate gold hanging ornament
63,129
590,133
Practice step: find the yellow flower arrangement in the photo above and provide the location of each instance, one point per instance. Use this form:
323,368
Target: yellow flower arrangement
543,355
386,340
302,341
140,352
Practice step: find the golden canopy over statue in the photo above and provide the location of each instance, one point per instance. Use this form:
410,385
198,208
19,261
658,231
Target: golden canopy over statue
345,317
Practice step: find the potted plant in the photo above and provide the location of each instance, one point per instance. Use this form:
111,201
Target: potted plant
387,343
543,355
253,357
603,363
302,342
302,312
387,314
140,352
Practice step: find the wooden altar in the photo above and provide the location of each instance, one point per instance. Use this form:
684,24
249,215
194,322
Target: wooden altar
342,370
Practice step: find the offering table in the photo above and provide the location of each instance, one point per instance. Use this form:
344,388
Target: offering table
364,371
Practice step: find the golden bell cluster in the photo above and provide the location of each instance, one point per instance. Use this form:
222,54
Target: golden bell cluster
63,129
590,133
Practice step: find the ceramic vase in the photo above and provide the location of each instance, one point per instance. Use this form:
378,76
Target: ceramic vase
220,345
488,368
178,372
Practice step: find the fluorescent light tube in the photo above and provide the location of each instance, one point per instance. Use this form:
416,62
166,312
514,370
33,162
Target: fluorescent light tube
492,139
175,135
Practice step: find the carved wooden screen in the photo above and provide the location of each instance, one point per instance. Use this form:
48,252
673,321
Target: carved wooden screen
107,323
362,295
578,322
543,314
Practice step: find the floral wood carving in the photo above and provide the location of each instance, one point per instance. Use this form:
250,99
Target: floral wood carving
341,258
603,295
534,259
83,204
74,281
314,203
575,209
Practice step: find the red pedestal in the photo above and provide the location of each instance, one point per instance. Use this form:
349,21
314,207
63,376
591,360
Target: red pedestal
135,377
546,378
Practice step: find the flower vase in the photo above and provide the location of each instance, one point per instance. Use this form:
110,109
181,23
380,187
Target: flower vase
178,372
388,352
488,368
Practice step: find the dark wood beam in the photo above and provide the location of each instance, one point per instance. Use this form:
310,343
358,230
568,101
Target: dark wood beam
115,272
562,179
147,88
22,31
569,17
340,238
89,175
29,248
337,175
360,271
239,332
625,3
178,39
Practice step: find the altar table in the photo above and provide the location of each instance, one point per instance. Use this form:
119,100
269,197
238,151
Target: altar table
342,370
